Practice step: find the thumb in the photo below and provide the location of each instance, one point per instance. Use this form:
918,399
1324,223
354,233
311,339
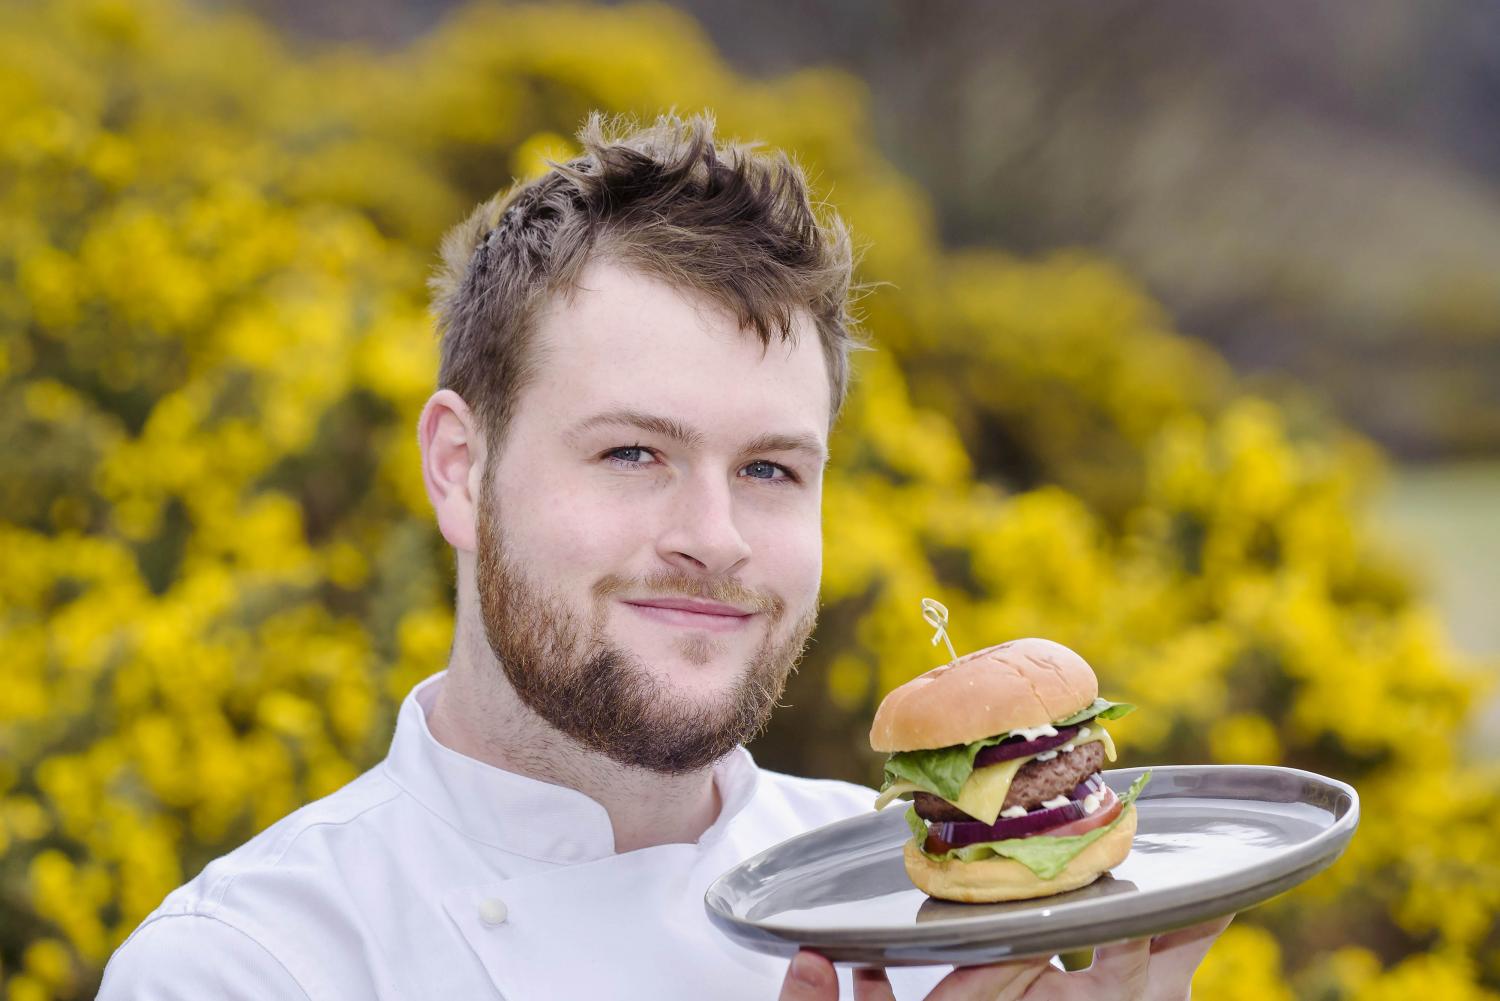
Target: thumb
1175,958
810,977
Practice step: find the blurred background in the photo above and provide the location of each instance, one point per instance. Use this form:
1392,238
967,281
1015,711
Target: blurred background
1188,356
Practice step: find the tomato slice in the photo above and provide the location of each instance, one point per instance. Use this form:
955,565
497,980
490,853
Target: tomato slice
1109,809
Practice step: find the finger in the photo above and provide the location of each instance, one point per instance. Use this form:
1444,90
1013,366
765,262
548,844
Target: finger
1204,933
810,977
996,982
1175,957
1123,969
871,984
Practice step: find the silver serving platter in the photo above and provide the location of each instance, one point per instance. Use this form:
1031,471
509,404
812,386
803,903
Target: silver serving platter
1212,840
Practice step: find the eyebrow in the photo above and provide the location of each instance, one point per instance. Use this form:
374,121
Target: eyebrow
679,432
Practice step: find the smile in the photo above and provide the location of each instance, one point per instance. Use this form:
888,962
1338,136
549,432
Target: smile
670,613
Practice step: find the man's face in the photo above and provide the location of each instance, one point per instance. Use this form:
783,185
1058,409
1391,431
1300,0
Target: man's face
649,545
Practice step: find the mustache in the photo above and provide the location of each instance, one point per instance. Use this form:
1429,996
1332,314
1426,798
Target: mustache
677,584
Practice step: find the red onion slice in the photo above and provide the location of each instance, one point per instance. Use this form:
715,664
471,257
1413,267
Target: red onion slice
1094,784
969,832
1016,747
958,833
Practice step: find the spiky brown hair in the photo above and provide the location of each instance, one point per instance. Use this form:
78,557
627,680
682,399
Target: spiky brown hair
724,221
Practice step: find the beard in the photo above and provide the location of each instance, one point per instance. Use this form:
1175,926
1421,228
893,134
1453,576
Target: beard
564,668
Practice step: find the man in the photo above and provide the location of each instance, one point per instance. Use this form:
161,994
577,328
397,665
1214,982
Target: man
643,354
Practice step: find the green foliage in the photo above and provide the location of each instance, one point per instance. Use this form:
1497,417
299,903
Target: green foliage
222,572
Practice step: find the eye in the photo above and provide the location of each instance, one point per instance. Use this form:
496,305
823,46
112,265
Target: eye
762,470
640,456
630,456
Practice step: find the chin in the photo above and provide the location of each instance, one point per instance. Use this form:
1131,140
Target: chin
698,665
701,672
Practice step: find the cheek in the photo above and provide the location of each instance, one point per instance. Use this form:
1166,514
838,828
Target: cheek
792,557
563,532
575,533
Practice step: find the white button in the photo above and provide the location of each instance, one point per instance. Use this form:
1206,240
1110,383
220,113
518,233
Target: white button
492,911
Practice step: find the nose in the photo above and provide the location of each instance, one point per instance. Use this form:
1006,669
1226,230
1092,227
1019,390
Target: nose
700,535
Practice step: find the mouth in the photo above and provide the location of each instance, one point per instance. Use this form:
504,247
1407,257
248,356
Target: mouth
685,612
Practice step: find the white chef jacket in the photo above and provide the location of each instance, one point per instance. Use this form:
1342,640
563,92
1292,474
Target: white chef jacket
435,875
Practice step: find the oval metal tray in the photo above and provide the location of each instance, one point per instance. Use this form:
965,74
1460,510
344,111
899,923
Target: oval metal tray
1212,840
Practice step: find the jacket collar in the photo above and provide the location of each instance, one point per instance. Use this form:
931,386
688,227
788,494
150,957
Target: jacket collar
522,815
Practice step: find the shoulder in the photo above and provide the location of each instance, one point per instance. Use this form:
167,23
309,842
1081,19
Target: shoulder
306,836
236,912
191,956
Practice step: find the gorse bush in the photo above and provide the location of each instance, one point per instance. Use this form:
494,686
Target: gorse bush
221,572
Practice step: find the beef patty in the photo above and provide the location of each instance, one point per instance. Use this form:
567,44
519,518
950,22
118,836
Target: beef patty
1035,782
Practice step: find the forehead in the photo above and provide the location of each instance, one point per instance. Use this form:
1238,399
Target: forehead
625,340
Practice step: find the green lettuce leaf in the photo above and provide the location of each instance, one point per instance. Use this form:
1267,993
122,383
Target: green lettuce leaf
1043,855
917,824
1102,709
944,770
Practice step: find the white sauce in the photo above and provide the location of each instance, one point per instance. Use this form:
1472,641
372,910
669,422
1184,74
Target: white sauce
1084,731
1046,756
1032,733
1014,811
1056,801
1091,802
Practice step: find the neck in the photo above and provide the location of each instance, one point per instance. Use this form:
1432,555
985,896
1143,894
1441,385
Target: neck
478,714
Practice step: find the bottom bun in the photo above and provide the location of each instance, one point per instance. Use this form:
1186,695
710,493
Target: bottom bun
998,878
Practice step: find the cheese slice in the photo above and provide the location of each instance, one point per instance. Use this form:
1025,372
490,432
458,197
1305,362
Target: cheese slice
983,794
896,790
1109,743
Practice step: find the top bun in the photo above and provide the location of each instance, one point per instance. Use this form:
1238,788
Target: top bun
1023,683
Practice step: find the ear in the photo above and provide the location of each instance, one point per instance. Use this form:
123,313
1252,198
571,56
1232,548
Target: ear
452,462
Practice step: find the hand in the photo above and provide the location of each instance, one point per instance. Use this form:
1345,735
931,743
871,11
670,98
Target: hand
1155,969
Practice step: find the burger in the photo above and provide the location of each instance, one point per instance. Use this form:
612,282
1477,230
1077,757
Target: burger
1000,753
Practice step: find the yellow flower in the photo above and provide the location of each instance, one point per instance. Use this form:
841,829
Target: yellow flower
532,156
50,962
1242,738
1243,965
